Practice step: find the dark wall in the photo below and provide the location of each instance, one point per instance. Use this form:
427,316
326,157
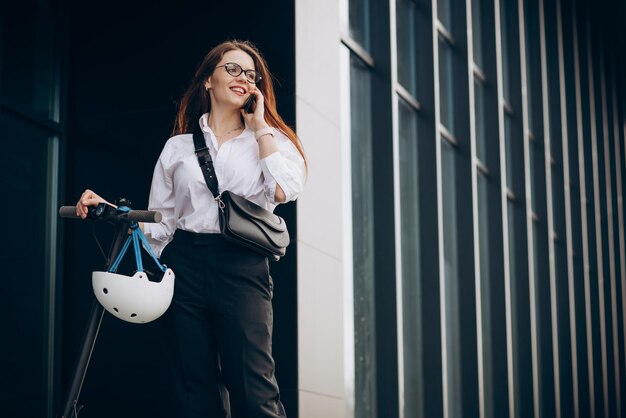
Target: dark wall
129,64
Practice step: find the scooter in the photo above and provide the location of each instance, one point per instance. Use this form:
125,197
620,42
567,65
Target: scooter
124,220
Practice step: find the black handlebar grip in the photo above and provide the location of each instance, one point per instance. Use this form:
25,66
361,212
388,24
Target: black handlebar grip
68,212
148,216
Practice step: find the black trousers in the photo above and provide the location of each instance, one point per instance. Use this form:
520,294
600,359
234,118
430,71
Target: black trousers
218,329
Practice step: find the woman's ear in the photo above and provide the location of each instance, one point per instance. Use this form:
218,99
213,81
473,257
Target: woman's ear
207,84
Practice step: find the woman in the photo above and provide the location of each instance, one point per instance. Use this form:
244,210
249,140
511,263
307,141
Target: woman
219,325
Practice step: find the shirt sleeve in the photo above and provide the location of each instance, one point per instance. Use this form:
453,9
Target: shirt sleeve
285,168
161,200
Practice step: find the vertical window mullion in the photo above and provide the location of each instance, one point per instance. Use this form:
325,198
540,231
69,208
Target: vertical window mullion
618,123
363,243
587,401
528,391
621,291
410,285
542,285
572,405
595,326
491,294
555,201
599,299
457,171
612,213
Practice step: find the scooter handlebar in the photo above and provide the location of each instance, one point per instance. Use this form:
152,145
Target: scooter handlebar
68,212
148,216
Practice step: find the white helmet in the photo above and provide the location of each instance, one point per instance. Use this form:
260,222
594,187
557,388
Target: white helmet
133,298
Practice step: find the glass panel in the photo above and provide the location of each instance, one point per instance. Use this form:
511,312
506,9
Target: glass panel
406,18
28,77
411,284
360,22
505,51
444,13
24,173
545,381
537,273
479,104
363,240
515,331
578,281
555,130
510,158
534,153
530,63
477,32
451,274
485,282
446,88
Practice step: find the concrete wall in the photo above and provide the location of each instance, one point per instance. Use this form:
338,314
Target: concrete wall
323,240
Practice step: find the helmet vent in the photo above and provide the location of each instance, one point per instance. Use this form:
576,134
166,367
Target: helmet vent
105,290
115,309
133,315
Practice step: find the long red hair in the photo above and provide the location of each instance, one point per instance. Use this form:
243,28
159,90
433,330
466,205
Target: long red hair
196,100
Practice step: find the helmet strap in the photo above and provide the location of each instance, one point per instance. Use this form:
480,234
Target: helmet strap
136,236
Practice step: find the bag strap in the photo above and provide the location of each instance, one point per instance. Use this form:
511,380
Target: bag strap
205,161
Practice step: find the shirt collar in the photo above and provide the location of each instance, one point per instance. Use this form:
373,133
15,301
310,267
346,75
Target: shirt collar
204,125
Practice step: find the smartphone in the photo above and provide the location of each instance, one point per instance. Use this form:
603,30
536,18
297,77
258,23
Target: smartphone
249,105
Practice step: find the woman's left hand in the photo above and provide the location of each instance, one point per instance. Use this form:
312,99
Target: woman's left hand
256,120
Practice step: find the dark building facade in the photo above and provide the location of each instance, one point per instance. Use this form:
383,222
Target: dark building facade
506,176
460,250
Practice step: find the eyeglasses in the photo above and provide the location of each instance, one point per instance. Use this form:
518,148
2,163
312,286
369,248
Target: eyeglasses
235,70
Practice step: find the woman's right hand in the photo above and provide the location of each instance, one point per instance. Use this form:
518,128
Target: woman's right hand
88,198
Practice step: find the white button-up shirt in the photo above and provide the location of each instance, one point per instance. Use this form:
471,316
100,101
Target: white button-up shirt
180,192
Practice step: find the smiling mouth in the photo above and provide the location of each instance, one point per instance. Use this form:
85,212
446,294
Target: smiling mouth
238,90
